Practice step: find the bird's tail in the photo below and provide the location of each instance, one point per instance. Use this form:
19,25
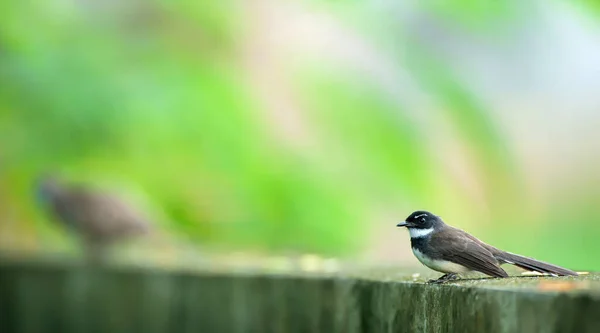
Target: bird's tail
532,264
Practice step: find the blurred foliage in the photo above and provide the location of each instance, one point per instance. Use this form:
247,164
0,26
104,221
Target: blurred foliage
473,14
130,102
474,127
158,94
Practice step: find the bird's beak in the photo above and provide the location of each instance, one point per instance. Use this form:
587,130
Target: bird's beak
402,224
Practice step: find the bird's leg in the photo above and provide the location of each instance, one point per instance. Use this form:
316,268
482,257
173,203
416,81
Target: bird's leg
94,252
444,278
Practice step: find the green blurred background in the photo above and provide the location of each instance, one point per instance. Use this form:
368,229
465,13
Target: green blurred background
310,126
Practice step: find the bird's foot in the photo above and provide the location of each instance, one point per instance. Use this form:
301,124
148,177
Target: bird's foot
444,278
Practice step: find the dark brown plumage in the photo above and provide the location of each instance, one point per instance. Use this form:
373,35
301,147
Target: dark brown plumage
467,250
99,218
503,257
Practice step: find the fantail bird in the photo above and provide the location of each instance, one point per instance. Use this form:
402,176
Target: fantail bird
452,251
98,217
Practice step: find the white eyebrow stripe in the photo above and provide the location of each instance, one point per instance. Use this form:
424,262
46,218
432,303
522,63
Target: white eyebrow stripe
420,215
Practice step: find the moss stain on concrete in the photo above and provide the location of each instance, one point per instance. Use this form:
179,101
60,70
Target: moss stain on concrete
70,298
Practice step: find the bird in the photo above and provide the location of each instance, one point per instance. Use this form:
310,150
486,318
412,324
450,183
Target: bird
100,218
452,251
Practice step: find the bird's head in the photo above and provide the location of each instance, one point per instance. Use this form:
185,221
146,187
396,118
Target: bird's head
421,221
46,187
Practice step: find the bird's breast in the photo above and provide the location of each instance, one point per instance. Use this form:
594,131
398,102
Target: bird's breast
439,265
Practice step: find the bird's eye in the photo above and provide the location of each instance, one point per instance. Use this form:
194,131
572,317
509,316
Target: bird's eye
422,219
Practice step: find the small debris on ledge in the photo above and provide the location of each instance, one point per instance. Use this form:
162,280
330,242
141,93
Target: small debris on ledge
563,285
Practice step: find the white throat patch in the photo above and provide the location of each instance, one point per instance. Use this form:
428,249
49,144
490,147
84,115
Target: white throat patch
418,233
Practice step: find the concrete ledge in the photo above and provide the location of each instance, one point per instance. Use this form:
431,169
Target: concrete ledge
36,297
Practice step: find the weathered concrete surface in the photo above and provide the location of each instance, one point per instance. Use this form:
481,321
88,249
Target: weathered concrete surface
37,297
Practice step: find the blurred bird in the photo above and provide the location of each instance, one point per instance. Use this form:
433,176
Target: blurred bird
99,218
452,251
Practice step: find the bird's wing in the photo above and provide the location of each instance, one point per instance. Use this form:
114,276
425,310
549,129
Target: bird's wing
461,248
103,215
